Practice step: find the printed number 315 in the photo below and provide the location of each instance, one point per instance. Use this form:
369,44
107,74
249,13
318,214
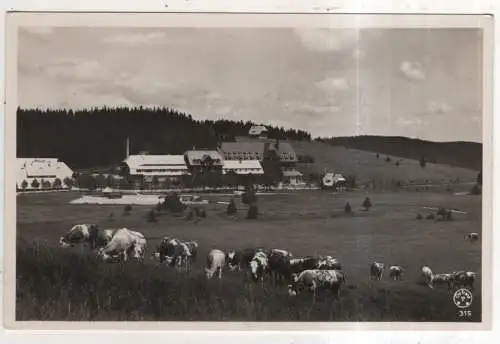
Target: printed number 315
464,314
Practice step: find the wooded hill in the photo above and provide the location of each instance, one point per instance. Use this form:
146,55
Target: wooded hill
458,154
96,137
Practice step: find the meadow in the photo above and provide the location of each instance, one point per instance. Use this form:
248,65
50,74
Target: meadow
57,284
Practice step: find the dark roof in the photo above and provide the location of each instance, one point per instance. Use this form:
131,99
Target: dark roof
257,147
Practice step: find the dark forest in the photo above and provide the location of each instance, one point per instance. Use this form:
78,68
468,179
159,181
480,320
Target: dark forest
96,137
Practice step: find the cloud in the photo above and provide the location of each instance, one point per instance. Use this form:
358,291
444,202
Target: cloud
137,38
328,39
439,107
333,84
79,70
412,70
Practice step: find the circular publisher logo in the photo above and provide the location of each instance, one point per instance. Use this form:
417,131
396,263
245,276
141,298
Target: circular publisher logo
462,298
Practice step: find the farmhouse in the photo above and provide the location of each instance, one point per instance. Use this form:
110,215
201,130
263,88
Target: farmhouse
258,131
257,149
333,180
292,177
204,160
163,167
34,173
243,167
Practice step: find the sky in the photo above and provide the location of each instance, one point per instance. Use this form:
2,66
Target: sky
420,83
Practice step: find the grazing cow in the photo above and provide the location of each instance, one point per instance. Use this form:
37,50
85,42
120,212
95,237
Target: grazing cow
472,236
83,234
175,252
464,279
216,260
193,248
376,270
259,266
297,265
279,252
432,279
396,272
426,273
125,243
138,250
440,279
328,263
279,265
241,258
314,279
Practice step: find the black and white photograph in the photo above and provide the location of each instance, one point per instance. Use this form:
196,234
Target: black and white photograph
275,172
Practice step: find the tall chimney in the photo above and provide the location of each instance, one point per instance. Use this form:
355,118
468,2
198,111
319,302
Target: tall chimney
127,147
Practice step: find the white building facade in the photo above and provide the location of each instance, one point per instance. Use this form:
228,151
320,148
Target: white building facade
163,167
243,167
38,173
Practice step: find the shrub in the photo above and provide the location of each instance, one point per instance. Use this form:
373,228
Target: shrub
348,208
419,217
367,204
430,217
57,183
151,216
24,185
127,209
476,190
422,161
249,197
388,159
174,204
252,212
35,184
231,207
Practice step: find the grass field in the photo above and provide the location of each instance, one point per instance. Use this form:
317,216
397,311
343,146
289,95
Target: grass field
368,168
56,284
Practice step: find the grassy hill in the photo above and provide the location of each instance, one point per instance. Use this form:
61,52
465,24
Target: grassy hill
368,168
461,154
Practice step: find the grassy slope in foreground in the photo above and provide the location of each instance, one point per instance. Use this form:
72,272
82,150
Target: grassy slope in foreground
367,167
56,285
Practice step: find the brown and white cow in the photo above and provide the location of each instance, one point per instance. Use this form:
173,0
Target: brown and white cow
464,279
396,272
89,234
259,267
238,259
328,263
175,252
216,261
376,270
125,244
312,280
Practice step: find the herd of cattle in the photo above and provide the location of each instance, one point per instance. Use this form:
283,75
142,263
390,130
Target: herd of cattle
305,273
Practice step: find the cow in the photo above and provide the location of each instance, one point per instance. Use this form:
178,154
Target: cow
464,279
279,266
174,252
124,243
317,279
297,265
426,273
86,234
138,250
440,279
472,236
279,252
396,272
376,270
259,266
328,263
193,248
216,260
238,259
